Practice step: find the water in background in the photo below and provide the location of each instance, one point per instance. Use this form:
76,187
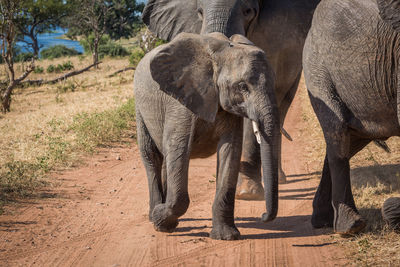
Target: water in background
50,39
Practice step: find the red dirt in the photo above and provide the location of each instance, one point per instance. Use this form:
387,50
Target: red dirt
98,217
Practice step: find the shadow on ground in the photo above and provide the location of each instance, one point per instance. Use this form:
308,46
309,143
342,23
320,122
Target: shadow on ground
388,175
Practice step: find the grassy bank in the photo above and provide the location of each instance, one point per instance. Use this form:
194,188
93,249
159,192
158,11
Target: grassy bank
52,126
375,176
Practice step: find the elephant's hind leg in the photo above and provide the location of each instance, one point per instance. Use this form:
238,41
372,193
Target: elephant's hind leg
152,160
323,213
177,152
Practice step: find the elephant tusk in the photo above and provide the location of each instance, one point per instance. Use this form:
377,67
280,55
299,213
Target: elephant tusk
285,134
256,131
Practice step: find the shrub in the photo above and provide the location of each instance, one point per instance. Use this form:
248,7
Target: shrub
68,65
38,69
112,49
58,51
60,67
136,56
23,57
88,42
107,47
51,68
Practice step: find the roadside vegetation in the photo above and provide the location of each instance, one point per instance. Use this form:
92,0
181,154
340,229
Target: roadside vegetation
375,176
51,126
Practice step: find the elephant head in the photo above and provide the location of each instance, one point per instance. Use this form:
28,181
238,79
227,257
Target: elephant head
167,18
207,72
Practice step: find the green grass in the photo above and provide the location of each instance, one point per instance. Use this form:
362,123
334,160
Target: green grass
93,130
20,179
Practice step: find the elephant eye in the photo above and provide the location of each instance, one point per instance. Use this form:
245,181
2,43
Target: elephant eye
243,88
247,12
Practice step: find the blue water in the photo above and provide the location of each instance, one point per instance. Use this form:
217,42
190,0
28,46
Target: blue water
50,39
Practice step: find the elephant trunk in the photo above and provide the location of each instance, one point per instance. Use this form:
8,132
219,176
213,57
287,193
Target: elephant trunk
222,18
269,136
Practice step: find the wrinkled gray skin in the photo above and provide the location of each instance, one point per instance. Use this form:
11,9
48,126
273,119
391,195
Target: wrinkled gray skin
191,96
351,65
279,27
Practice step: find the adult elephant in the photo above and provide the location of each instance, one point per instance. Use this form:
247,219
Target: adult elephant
279,27
351,66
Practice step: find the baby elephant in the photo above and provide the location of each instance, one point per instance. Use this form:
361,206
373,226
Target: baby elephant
191,97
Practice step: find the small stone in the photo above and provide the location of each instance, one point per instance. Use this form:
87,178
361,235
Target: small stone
118,157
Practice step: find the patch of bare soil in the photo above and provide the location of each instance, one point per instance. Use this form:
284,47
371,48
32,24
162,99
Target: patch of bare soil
99,217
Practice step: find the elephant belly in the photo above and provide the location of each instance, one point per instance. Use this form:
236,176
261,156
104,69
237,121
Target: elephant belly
207,135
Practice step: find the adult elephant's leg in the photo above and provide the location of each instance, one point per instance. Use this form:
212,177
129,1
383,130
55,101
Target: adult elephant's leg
164,180
346,220
323,213
249,182
283,109
229,150
152,160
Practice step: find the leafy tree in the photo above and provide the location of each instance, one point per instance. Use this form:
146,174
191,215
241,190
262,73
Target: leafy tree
10,14
95,18
40,16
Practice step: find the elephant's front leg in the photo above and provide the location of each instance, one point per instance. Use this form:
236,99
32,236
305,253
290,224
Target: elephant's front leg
229,151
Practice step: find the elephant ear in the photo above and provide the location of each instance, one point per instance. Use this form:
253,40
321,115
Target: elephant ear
389,10
184,70
167,18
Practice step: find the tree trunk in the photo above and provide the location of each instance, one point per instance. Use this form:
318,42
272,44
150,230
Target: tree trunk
96,52
35,43
6,97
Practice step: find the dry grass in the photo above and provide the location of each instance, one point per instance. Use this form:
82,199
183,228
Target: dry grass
46,126
375,176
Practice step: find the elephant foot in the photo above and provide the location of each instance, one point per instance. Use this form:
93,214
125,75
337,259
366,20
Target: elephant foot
281,177
322,219
225,232
347,221
250,190
163,219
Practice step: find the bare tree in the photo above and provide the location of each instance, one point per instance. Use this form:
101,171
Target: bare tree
10,14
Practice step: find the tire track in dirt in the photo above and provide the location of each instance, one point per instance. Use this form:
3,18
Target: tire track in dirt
103,219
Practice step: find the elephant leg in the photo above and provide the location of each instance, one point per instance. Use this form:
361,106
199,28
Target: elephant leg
249,182
152,160
283,110
323,213
346,219
164,180
229,151
176,155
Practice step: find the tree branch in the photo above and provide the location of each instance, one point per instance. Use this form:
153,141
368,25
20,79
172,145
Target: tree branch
121,70
61,78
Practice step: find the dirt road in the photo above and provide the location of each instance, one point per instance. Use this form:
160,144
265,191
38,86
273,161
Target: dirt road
98,217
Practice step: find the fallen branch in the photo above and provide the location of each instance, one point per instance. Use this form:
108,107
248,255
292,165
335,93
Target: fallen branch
119,71
59,79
